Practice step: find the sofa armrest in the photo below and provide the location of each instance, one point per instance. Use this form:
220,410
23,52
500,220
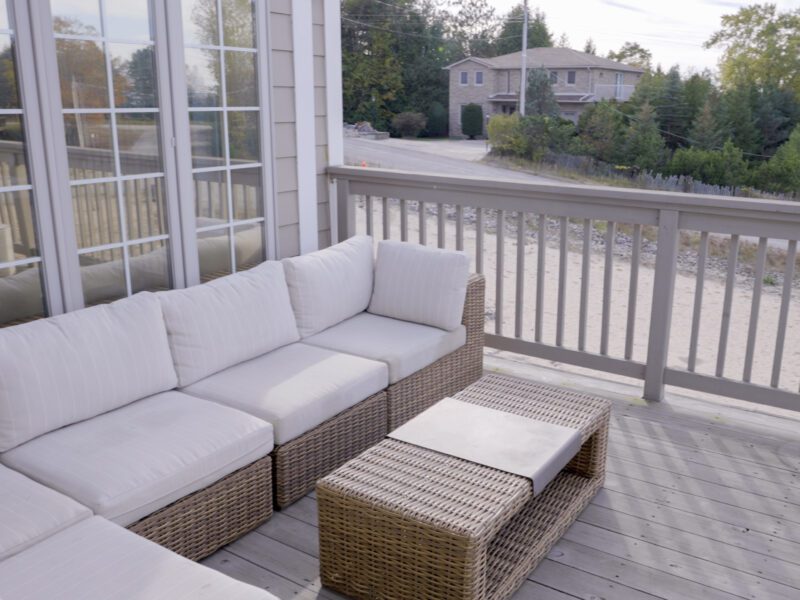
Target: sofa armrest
475,310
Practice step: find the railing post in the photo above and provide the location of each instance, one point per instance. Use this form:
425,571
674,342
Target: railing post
345,210
661,312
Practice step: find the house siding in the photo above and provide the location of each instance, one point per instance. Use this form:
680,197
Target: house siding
461,95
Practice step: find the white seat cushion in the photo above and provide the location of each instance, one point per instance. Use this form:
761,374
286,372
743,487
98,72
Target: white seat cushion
68,368
30,512
128,463
405,347
330,285
97,560
296,387
228,320
420,284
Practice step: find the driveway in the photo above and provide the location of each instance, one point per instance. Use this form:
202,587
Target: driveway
443,157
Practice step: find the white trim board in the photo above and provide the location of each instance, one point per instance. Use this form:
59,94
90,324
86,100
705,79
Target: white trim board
333,97
303,44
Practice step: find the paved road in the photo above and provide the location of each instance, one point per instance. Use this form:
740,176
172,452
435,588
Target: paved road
444,157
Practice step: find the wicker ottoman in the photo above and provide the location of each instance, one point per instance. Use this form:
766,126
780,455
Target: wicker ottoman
402,521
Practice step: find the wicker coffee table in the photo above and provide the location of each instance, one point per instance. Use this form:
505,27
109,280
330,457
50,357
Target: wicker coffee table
402,521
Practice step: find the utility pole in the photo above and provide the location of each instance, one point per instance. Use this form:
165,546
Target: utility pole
523,80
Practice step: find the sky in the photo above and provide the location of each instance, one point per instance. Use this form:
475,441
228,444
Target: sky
673,30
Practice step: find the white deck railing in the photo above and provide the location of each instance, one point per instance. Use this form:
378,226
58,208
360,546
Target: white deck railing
674,289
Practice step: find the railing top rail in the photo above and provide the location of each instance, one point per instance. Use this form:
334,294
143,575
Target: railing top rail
751,208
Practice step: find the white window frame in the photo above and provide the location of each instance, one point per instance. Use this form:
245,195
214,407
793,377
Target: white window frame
553,77
463,78
479,83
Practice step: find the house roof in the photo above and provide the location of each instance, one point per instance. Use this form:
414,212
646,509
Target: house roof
551,58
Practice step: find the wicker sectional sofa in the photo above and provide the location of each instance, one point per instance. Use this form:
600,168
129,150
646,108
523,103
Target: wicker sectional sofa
185,416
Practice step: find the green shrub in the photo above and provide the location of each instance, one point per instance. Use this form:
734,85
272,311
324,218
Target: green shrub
409,124
505,135
437,120
472,120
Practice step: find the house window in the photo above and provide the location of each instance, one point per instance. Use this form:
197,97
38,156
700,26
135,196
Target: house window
570,77
553,77
478,77
464,77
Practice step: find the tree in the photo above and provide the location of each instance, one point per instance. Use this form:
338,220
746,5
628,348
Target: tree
697,88
704,133
437,120
505,135
761,47
672,109
562,41
472,120
776,113
509,39
472,25
633,54
539,97
600,130
782,172
736,119
409,124
726,167
589,47
644,146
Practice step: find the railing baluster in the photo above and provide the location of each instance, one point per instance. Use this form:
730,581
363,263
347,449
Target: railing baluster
699,288
786,299
459,227
608,279
370,220
479,240
755,305
541,251
440,225
733,257
403,220
562,280
498,296
423,224
387,225
633,291
520,296
586,266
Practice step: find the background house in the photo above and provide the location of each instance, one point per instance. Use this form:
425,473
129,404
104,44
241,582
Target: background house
578,79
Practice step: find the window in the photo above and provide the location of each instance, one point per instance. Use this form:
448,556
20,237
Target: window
570,77
553,77
224,116
464,78
478,77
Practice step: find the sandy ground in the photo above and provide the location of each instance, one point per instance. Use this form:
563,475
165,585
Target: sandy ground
714,291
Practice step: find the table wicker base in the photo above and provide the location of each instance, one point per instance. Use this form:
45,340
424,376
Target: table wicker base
403,522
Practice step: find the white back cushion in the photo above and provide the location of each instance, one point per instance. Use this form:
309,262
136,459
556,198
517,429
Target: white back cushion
331,285
228,320
420,284
65,369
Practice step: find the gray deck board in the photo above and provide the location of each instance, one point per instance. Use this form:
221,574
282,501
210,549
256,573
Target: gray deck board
701,501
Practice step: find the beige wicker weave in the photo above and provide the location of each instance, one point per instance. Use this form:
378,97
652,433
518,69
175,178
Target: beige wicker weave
201,523
302,461
448,375
405,522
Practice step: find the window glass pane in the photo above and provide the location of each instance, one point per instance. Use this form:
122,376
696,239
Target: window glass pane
128,19
215,254
247,194
21,293
76,16
203,77
96,214
145,208
150,267
3,15
243,136
237,23
240,78
206,134
134,76
89,146
211,193
139,147
103,276
249,242
9,94
82,73
200,24
13,162
17,231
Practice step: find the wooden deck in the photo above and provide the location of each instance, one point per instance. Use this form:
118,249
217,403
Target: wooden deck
701,500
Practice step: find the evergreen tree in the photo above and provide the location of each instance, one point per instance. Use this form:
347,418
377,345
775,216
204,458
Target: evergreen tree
509,39
672,109
539,97
697,89
776,114
472,120
644,146
601,131
736,119
589,47
782,172
705,130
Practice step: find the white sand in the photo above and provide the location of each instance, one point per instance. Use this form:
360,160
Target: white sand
714,291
